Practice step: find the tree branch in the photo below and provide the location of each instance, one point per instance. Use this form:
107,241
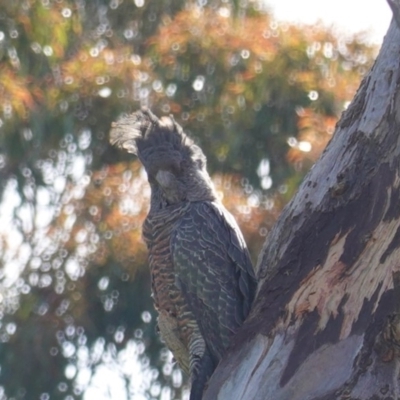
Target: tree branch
326,297
395,6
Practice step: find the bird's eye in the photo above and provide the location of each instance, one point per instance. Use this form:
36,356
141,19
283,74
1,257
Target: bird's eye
173,166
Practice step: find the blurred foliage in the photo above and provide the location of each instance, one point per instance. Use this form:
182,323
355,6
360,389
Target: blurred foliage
261,98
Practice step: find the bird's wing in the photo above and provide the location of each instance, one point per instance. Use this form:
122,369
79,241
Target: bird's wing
213,271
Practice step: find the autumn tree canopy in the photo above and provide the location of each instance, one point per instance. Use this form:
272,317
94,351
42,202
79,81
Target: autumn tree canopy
260,97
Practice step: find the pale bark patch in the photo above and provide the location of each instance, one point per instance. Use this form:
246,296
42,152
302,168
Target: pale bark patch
327,285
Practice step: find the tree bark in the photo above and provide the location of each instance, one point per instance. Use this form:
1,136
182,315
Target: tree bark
326,320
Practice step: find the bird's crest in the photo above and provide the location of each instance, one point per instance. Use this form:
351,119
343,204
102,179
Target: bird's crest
148,137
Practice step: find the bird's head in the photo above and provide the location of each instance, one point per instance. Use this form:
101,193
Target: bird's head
175,166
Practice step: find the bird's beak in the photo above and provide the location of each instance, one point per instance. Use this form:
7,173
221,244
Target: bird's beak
164,178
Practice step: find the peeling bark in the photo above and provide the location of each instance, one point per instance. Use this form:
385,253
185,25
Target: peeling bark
326,320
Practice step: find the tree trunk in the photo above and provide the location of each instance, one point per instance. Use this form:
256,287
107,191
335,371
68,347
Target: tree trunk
326,321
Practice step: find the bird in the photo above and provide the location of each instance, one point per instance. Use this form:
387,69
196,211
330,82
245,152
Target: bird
203,281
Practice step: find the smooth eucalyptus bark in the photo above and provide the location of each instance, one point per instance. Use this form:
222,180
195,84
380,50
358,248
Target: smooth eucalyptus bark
325,323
